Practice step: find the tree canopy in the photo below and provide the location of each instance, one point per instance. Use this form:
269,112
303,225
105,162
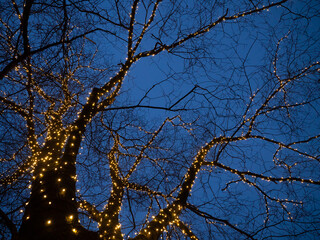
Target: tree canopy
159,119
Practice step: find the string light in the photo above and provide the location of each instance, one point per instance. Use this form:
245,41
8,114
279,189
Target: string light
61,141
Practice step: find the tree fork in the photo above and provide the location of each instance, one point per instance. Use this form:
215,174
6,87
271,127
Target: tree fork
51,212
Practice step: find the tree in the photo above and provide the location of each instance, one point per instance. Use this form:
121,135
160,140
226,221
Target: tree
159,119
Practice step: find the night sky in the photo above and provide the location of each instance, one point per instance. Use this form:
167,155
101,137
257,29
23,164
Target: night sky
242,99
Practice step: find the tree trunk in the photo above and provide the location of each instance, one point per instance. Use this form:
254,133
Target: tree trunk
51,212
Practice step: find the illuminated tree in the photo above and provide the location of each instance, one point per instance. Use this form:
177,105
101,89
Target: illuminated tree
92,149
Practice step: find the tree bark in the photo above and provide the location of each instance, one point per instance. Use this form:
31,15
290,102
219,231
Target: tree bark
51,212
